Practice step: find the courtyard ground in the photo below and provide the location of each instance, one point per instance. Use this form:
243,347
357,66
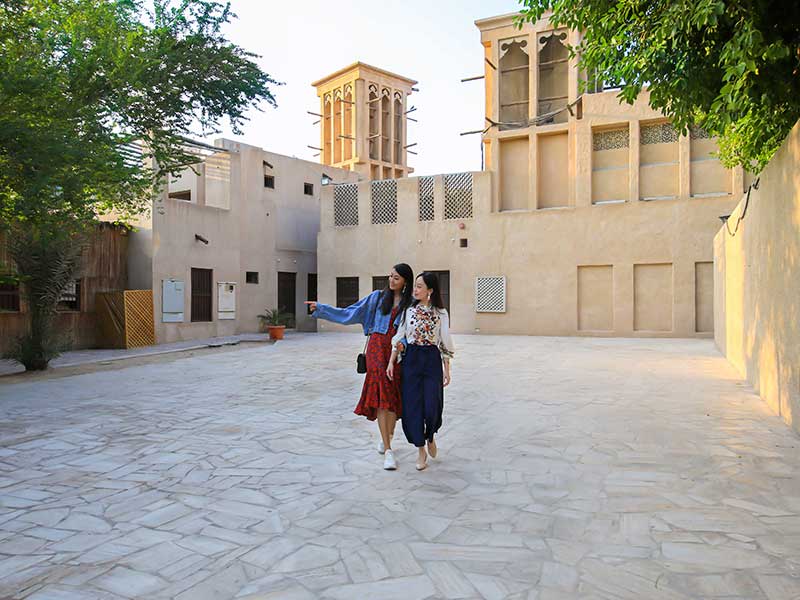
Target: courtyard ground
568,468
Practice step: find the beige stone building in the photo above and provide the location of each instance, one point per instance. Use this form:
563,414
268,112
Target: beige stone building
229,238
591,218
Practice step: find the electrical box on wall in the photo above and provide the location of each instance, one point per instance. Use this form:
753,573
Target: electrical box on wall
172,301
226,300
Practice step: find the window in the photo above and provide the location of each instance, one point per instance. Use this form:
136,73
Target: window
398,128
346,291
308,189
659,162
379,282
185,195
201,295
338,107
251,277
311,290
553,77
269,181
610,180
373,123
327,152
386,127
9,297
70,300
514,78
463,243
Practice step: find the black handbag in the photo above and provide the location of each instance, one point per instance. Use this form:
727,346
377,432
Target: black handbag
361,360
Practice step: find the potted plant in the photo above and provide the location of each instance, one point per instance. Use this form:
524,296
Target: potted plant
275,322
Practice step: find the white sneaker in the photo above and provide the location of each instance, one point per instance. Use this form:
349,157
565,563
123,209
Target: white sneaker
381,448
389,463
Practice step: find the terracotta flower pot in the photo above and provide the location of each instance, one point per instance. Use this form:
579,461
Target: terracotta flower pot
276,331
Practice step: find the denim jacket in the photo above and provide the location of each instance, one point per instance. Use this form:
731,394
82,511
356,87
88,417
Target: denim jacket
365,312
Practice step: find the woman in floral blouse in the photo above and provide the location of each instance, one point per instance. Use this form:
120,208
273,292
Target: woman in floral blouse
424,333
378,314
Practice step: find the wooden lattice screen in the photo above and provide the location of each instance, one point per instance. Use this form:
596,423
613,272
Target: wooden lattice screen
139,324
126,318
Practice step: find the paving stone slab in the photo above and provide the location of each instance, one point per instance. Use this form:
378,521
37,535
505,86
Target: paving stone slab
615,469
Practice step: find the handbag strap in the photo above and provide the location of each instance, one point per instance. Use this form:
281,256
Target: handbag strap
365,346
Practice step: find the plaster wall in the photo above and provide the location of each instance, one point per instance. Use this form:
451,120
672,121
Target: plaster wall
543,254
757,284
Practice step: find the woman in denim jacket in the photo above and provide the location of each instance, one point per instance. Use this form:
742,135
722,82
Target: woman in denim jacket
379,315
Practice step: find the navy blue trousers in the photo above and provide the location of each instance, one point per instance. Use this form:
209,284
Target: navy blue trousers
423,394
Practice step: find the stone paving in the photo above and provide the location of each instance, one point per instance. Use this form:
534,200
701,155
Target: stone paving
73,358
568,468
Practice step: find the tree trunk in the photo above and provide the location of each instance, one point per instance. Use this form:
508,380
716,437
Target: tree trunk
47,259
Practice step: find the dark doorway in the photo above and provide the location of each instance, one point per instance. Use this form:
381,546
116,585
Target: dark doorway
312,289
444,282
201,295
287,295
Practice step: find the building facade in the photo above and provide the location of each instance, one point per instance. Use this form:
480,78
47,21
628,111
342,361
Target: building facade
229,238
592,217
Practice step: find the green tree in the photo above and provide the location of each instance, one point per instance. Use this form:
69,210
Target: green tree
732,68
80,82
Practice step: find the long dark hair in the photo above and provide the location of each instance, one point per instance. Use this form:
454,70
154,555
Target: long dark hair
387,302
432,281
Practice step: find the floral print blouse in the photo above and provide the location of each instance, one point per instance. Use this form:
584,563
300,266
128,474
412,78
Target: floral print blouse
426,326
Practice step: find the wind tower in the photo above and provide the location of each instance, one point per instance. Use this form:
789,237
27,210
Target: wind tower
364,121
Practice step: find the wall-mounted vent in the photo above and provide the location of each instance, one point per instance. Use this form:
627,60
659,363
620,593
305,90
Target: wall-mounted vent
458,196
345,205
384,201
426,212
490,294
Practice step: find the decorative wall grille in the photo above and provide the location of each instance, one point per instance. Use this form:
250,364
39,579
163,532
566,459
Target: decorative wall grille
698,133
458,196
659,133
610,139
426,212
345,205
384,201
490,294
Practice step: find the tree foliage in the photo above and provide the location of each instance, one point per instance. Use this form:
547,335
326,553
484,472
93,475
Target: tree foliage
81,81
730,67
49,258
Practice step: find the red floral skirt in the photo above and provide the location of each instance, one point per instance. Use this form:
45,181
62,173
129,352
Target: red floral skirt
378,391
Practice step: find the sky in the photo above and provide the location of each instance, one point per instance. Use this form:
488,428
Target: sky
434,42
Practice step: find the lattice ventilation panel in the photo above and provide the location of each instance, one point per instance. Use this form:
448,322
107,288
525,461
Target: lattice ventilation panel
490,294
660,133
698,133
426,212
345,205
613,139
384,201
458,196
